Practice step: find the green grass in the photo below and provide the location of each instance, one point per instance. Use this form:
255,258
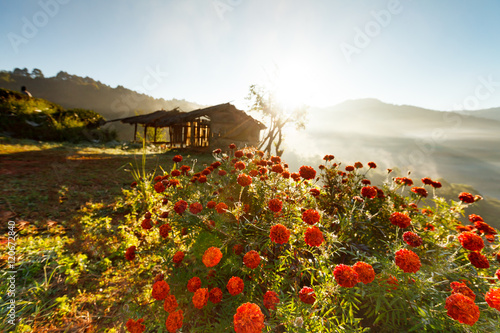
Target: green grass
65,199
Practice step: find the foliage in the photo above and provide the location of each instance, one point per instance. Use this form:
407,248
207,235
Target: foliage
73,275
356,224
38,119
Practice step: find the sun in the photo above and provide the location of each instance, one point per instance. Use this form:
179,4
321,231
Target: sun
293,89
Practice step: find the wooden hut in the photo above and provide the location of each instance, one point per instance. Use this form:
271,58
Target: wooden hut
215,126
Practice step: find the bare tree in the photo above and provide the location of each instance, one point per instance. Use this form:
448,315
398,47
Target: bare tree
264,102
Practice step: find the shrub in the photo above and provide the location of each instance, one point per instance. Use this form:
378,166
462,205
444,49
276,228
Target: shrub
289,252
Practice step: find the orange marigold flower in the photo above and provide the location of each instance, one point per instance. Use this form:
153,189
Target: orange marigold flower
358,165
314,192
492,297
470,241
238,249
194,284
200,298
349,168
235,285
159,187
232,146
178,257
478,260
462,308
366,182
175,173
412,239
427,181
221,207
177,158
212,256
366,273
420,191
473,218
400,219
146,224
222,172
253,173
369,192
195,208
270,300
174,321
240,165
285,174
346,276
306,172
185,169
275,205
275,159
461,288
485,228
244,180
466,197
130,253
164,230
372,165
278,168
238,153
497,273
279,234
307,295
429,227
135,326
248,319
313,236
251,259
215,295
295,176
211,204
403,180
311,216
170,303
180,206
161,289
393,282
436,184
408,261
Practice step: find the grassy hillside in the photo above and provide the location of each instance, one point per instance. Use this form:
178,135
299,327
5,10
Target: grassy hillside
72,91
38,119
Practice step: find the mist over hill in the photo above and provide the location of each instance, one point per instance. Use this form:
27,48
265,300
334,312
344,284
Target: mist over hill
461,148
73,91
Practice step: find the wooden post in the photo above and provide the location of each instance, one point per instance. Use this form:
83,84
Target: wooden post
135,132
154,140
145,133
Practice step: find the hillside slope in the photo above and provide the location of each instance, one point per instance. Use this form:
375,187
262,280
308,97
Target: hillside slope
72,91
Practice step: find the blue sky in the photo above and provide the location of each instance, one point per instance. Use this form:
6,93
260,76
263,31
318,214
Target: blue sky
436,54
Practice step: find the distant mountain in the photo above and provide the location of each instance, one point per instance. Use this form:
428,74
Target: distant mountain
72,91
461,149
493,113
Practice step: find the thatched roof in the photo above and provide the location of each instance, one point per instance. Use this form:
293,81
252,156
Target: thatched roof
164,118
148,119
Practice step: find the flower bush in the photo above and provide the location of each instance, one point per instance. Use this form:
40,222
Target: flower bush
318,250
